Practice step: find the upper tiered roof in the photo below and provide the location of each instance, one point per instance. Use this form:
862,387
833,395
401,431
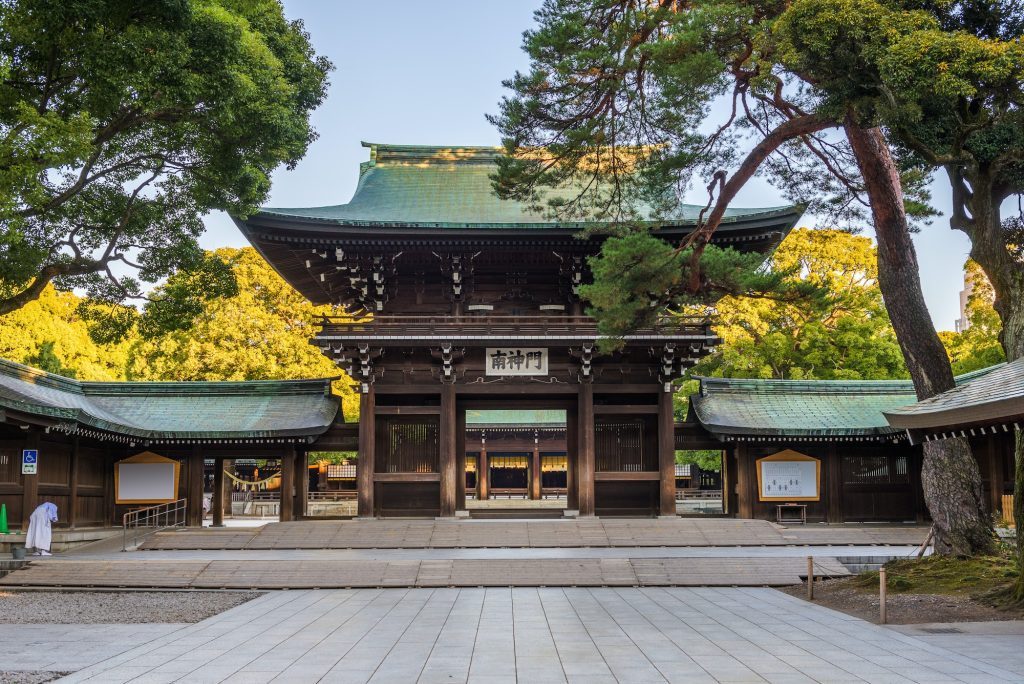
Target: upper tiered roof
450,187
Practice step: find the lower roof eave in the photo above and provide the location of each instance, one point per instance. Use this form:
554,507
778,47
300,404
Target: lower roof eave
775,436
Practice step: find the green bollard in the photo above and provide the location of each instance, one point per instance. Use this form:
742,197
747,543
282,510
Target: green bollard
3,520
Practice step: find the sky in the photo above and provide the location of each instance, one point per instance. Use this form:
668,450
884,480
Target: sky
412,72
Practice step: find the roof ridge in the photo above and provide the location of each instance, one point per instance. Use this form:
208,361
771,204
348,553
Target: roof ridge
37,376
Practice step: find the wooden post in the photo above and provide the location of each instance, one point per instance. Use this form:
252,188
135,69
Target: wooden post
286,503
995,474
217,505
228,465
109,495
882,588
585,450
810,578
460,460
834,485
73,482
194,503
744,487
535,469
483,474
301,484
572,499
667,452
30,483
448,461
367,447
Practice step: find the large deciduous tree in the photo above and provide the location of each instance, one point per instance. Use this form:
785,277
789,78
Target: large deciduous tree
261,333
618,100
123,122
844,334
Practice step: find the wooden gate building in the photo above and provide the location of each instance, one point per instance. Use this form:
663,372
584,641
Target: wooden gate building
461,301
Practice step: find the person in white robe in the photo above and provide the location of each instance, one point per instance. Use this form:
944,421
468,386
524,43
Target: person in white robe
40,535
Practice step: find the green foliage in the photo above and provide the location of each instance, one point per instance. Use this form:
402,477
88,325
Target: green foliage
842,334
261,333
54,319
705,459
978,346
122,123
637,276
46,359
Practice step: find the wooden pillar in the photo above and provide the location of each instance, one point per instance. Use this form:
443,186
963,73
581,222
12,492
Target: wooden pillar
286,503
460,460
229,466
301,485
833,485
572,499
448,461
217,504
744,488
367,446
72,512
30,483
194,500
535,470
667,452
585,450
483,474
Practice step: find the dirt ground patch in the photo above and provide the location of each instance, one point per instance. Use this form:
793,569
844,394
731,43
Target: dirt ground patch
111,607
902,608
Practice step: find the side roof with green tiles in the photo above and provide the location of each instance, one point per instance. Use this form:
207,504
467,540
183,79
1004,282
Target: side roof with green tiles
173,410
450,187
805,408
999,397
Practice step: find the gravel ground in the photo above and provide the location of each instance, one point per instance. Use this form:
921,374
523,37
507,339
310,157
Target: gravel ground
103,607
30,677
901,608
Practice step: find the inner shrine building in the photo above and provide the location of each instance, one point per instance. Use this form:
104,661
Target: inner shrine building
462,302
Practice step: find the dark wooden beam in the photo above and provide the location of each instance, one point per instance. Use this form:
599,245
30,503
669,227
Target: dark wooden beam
301,484
407,410
365,465
585,450
625,409
535,492
449,427
407,477
572,499
483,475
627,475
667,454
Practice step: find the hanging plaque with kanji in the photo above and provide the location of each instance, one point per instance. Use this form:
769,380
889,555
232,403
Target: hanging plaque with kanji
516,361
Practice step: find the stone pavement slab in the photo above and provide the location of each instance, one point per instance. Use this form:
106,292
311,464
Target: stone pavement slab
66,648
322,574
998,642
539,635
591,532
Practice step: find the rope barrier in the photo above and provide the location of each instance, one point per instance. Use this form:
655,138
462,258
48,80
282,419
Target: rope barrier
259,485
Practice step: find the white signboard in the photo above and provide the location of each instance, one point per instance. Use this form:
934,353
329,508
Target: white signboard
789,480
29,461
516,361
146,482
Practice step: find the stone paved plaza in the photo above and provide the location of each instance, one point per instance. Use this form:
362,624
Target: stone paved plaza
508,635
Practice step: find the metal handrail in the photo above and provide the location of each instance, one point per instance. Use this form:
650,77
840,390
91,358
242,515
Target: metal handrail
160,517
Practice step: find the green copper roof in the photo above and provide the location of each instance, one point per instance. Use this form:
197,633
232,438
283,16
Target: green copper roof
804,408
439,187
173,410
999,397
531,417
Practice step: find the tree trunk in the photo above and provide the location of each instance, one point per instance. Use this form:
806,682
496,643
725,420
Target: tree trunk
949,475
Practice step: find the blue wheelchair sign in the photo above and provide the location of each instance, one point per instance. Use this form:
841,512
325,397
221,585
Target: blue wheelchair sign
29,461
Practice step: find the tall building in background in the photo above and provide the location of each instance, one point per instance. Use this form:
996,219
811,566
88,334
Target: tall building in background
963,323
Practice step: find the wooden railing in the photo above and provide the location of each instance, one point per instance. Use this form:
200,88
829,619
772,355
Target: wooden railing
491,325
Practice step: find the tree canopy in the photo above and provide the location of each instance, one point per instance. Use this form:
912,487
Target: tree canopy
978,345
843,334
122,123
